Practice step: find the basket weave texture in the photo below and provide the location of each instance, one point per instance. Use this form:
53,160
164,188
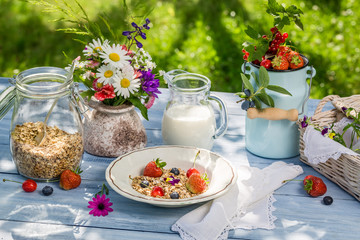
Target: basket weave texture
345,171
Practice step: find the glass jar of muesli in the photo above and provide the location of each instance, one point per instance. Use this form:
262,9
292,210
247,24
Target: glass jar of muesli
46,133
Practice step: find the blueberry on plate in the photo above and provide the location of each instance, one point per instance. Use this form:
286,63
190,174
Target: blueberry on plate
174,195
144,184
47,190
175,171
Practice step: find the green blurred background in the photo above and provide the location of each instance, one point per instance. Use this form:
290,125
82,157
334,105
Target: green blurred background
202,36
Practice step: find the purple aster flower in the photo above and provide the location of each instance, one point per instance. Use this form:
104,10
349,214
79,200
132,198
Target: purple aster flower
324,131
149,84
172,180
100,206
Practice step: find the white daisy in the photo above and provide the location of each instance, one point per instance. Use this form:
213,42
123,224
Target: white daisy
106,74
95,47
115,56
126,83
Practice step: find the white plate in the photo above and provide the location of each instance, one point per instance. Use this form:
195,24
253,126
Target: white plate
220,172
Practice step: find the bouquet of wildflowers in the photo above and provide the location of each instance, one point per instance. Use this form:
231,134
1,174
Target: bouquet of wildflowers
117,73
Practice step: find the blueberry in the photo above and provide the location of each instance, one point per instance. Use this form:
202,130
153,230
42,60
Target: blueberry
245,105
175,171
247,92
252,104
144,184
328,200
47,190
174,195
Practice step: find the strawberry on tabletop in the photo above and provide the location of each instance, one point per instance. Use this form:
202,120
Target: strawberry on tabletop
314,186
70,179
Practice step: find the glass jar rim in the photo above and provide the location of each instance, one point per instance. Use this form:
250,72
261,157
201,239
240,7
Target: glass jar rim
55,81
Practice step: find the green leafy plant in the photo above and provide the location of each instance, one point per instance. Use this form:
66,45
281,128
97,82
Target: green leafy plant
283,16
252,97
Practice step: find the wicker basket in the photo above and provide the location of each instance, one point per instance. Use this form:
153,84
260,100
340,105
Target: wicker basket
346,170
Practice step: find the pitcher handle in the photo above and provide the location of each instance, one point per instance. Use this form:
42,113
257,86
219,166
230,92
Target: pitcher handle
220,131
309,75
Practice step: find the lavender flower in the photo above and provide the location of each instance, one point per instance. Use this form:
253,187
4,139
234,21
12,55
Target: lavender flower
149,83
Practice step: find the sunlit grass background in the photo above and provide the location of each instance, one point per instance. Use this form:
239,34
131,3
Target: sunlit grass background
202,36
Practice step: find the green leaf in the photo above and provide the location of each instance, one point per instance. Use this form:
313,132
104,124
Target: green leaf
299,23
266,98
292,10
247,83
263,77
285,20
255,78
252,33
87,94
241,94
137,103
257,102
278,89
274,8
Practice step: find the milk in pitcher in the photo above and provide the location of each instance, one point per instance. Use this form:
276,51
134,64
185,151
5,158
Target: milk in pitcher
190,125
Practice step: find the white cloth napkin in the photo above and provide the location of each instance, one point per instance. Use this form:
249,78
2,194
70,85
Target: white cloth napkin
318,149
248,204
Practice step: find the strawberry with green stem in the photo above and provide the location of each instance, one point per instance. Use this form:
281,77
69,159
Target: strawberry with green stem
154,168
314,186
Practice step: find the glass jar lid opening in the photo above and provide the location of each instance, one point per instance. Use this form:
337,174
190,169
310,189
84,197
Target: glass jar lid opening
43,81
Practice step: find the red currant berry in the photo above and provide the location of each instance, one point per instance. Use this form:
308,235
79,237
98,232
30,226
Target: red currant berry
29,185
285,35
256,62
264,36
278,35
273,30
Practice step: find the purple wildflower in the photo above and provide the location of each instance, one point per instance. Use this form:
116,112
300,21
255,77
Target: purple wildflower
100,206
324,131
138,32
172,180
304,122
344,109
149,83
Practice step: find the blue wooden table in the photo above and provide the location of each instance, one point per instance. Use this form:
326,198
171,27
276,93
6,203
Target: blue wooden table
64,214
